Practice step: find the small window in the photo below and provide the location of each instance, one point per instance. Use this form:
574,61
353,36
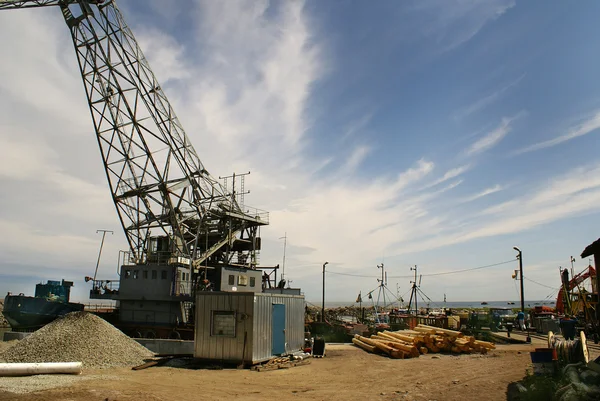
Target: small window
163,274
127,273
231,279
252,281
242,280
154,275
145,274
135,274
223,324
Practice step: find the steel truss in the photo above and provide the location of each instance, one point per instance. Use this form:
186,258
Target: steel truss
159,185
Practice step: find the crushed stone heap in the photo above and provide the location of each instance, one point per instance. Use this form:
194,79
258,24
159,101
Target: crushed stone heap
79,337
3,321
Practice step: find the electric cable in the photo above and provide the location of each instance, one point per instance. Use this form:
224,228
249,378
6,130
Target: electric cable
425,275
543,285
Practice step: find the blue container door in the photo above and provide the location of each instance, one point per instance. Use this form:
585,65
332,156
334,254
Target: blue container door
278,329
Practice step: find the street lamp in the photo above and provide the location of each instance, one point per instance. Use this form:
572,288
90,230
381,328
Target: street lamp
520,257
323,305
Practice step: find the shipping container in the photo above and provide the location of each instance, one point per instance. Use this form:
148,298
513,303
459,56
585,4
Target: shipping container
246,327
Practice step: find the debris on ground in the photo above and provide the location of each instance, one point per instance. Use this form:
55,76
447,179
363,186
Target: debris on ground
79,337
422,339
281,363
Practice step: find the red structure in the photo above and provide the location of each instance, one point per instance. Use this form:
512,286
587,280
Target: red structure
589,272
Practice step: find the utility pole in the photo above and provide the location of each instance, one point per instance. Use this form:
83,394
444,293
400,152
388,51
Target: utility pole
323,306
383,282
284,238
413,292
520,257
100,252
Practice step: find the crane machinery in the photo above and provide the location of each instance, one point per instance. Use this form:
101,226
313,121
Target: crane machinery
574,302
185,230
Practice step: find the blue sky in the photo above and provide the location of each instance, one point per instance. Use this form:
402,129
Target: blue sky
435,133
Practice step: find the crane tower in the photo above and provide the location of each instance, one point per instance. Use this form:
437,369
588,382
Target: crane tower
176,216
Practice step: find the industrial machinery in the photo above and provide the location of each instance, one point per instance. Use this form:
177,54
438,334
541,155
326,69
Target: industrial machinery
573,302
186,231
580,303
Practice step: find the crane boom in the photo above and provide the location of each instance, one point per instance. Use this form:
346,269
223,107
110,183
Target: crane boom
159,185
10,4
574,282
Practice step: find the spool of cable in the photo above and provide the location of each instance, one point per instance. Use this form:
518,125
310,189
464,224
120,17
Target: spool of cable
570,351
550,339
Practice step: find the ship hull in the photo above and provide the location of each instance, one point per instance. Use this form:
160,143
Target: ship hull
28,313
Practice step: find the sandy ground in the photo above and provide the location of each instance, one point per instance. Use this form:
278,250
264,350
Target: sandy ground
346,373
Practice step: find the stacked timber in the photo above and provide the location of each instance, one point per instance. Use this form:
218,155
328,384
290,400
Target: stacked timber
422,340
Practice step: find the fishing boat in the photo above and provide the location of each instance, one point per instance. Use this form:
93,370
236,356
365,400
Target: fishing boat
51,300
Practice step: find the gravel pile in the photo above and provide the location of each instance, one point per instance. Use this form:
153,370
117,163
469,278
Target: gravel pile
29,384
79,337
3,321
4,345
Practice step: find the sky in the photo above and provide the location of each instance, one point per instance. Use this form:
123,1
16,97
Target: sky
431,133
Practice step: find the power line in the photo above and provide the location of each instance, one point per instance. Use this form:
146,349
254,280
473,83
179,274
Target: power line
543,285
460,271
348,274
427,275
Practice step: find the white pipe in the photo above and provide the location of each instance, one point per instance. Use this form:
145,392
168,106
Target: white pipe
28,369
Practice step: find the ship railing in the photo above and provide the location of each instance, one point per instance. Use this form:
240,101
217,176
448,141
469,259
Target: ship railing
258,214
100,308
104,289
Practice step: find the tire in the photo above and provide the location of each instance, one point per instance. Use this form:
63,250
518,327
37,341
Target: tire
175,335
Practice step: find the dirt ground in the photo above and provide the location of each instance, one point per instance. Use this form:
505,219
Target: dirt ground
346,373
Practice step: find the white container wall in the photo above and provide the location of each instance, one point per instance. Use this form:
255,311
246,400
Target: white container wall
247,327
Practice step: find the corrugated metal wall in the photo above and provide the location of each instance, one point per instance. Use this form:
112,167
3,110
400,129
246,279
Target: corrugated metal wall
253,319
223,348
263,323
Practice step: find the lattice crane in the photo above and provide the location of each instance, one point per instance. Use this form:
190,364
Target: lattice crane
165,198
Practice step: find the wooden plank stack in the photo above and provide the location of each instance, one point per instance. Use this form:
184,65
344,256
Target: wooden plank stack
422,340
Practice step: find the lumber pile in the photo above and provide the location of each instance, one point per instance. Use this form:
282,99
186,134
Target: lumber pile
422,340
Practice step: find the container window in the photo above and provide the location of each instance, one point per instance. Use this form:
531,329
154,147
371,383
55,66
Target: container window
154,274
135,274
145,274
252,281
231,279
163,274
222,324
242,280
127,273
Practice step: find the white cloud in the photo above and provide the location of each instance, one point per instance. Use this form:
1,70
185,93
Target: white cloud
485,192
450,174
454,23
487,100
413,174
493,137
588,126
243,101
575,193
357,156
